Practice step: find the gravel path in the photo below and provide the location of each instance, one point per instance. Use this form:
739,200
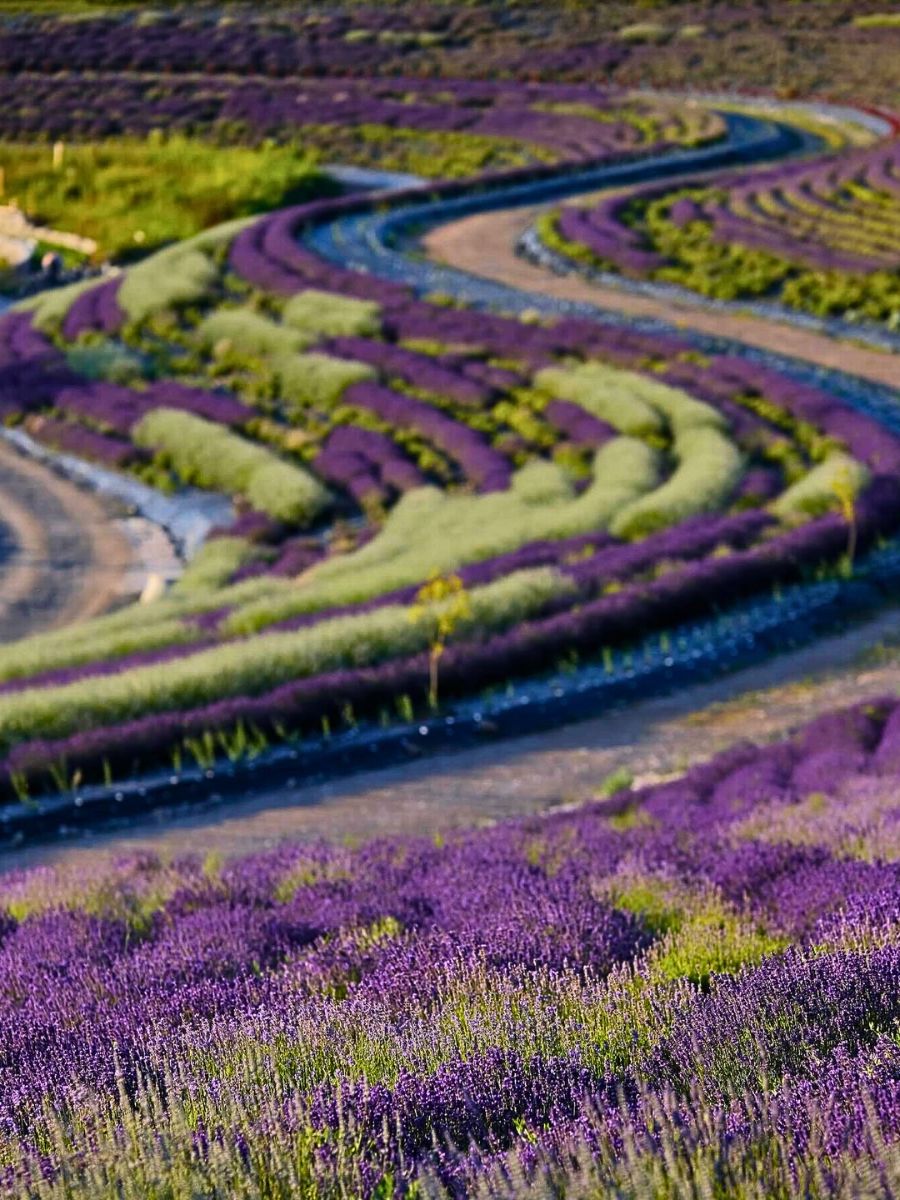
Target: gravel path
66,559
484,245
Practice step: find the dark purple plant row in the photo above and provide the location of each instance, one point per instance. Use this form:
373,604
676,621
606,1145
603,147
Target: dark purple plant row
84,443
419,370
121,408
482,465
96,309
366,464
603,231
578,425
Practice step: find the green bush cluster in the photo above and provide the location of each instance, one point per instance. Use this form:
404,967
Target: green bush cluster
819,491
102,358
250,333
211,456
709,468
177,276
429,530
317,380
326,314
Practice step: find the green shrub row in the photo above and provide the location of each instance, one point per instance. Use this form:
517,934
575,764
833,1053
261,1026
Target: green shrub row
210,456
821,490
316,380
249,333
328,314
429,530
178,275
255,665
214,564
709,468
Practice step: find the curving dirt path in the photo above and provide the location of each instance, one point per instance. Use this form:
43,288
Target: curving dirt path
484,245
67,560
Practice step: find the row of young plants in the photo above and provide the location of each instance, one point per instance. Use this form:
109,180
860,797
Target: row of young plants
839,50
675,988
820,238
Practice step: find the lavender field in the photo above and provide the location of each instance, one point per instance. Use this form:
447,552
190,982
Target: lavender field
402,507
687,989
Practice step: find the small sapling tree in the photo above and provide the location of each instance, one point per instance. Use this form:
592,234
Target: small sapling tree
441,605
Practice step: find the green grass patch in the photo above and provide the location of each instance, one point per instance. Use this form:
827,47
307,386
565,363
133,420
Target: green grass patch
132,195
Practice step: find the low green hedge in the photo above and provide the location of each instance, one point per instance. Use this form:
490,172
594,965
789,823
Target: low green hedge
211,456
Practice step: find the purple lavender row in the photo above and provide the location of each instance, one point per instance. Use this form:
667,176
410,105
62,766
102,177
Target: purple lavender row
96,309
692,539
352,472
268,255
122,408
578,425
293,557
417,369
84,443
606,236
485,467
32,371
377,454
865,437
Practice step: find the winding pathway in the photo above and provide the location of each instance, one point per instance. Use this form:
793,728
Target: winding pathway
484,245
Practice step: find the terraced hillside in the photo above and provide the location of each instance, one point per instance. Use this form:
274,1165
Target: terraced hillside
435,497
576,484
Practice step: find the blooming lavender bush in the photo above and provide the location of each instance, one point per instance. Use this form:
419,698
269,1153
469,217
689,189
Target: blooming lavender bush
677,985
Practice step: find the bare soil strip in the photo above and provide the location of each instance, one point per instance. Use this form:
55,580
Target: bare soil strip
68,558
484,245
